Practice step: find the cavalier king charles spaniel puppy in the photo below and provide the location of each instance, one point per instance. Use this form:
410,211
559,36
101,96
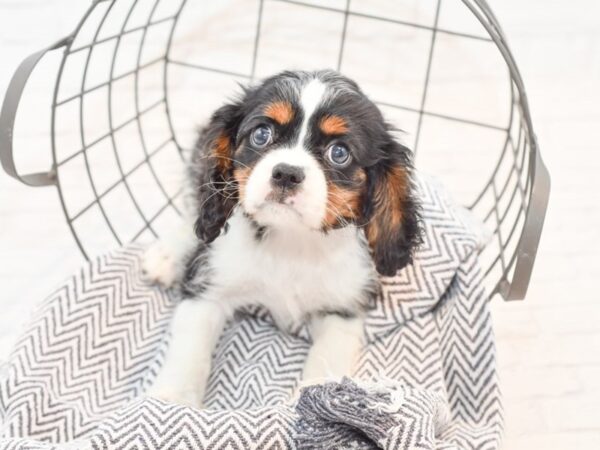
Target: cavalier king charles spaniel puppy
298,197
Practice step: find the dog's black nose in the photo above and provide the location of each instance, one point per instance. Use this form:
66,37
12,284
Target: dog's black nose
287,177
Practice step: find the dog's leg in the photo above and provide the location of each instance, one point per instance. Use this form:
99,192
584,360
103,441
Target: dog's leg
195,330
337,342
165,260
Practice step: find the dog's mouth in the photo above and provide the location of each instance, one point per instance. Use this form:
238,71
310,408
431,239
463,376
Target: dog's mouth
282,196
280,208
279,200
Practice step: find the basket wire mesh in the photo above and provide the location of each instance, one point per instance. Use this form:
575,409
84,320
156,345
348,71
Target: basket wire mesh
132,98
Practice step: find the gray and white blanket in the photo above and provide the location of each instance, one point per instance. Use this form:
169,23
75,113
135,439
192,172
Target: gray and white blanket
426,378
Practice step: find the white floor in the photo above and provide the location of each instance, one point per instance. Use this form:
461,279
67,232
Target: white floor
549,345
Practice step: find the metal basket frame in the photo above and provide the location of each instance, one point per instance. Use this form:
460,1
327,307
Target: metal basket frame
534,193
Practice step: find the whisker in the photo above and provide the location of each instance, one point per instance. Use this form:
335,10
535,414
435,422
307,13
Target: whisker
337,214
339,197
208,198
200,158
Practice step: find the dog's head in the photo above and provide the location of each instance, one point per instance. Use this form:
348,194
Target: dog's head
308,149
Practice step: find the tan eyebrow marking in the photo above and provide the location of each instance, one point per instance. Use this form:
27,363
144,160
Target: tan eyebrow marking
281,112
333,125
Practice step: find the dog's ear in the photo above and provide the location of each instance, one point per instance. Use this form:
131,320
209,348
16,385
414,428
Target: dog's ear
392,211
215,190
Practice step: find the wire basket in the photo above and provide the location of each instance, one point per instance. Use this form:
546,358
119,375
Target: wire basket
136,77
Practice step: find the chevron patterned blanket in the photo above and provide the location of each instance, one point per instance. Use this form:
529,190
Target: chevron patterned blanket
78,374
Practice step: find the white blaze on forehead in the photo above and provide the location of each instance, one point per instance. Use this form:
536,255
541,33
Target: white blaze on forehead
311,97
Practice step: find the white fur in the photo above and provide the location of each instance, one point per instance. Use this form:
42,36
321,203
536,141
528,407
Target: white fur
292,272
163,262
195,330
336,344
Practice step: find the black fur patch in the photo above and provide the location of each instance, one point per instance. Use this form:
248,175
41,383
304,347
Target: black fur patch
196,277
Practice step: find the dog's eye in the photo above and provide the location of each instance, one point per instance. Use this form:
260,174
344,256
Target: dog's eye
338,154
261,136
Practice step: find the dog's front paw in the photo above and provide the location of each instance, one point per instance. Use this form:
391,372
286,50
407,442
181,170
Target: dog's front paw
159,264
180,396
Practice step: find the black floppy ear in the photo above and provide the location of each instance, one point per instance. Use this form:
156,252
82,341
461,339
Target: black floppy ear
392,211
211,170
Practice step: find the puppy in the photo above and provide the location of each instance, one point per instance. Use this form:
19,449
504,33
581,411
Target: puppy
298,196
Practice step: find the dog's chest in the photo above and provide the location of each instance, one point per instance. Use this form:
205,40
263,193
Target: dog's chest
291,274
